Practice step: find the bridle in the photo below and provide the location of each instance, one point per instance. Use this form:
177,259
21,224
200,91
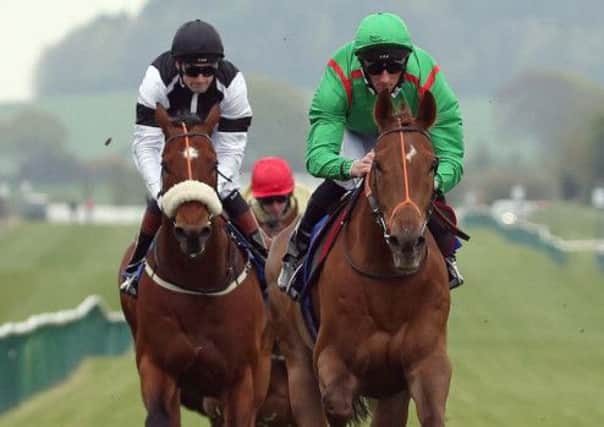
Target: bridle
232,280
190,179
186,134
375,205
373,200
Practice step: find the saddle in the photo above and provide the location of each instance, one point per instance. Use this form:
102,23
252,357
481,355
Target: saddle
322,239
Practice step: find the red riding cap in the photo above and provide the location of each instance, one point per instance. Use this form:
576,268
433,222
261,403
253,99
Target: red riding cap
271,176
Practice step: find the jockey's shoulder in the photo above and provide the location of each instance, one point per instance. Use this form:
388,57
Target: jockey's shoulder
302,194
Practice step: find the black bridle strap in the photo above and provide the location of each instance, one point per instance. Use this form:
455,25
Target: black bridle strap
208,139
184,135
404,129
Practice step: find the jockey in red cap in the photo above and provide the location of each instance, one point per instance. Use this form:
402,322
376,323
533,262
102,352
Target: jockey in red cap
272,188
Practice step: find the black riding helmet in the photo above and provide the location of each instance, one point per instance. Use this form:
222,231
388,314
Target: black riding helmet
197,41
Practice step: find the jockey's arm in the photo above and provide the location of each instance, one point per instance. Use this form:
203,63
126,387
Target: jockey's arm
327,123
230,139
148,138
447,134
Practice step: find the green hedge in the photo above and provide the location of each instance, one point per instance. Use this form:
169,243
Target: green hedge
43,350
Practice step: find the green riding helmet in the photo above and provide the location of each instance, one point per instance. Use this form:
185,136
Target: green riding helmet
382,34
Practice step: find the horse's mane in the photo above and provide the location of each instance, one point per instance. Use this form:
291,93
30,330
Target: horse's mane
186,117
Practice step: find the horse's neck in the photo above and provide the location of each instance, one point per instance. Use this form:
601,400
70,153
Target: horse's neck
212,265
366,239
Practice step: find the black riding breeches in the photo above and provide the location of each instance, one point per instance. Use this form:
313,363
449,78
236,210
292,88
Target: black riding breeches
322,200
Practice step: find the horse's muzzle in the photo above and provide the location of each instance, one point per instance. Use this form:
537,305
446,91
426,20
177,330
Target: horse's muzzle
192,239
407,250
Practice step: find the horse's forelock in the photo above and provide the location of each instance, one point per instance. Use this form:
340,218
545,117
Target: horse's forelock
404,116
187,118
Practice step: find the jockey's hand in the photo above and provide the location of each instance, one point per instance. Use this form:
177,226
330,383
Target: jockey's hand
361,167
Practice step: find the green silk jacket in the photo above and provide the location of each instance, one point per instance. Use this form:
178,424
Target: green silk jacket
343,100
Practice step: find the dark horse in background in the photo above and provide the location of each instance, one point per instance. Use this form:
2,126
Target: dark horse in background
382,296
199,323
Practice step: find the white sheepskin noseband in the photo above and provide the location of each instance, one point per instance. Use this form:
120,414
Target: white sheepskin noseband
190,191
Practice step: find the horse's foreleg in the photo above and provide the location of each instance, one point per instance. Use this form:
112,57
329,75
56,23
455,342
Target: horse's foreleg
392,411
304,395
238,402
338,387
161,396
262,369
429,381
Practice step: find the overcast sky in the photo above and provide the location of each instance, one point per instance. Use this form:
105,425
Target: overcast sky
27,26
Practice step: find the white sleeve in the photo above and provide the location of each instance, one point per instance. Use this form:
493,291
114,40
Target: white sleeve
147,147
230,138
229,148
148,139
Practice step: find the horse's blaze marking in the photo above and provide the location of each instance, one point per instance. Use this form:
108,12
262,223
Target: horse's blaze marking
190,153
411,153
186,135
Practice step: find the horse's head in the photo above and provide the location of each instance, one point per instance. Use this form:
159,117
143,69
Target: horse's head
189,178
400,186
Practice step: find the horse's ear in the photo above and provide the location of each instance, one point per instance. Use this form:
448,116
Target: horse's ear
383,110
212,119
426,113
162,118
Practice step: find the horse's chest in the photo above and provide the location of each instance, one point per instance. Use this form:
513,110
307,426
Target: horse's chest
378,363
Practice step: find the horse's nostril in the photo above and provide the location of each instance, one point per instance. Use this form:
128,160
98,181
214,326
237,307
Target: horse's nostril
393,240
204,234
180,233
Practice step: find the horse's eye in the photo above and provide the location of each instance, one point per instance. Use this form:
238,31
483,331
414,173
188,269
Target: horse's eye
377,166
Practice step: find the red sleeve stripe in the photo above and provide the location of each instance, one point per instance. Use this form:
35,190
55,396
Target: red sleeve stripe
411,78
356,74
345,81
429,81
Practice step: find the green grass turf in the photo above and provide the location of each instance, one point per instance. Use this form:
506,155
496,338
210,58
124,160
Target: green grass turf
46,267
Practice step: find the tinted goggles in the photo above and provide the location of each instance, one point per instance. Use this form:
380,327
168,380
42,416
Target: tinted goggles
377,68
272,199
195,70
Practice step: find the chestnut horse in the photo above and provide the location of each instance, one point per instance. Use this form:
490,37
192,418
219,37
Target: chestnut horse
382,297
199,322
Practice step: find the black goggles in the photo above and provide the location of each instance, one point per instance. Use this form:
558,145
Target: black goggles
272,199
195,70
377,68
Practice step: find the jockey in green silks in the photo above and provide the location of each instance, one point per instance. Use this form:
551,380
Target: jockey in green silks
343,133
